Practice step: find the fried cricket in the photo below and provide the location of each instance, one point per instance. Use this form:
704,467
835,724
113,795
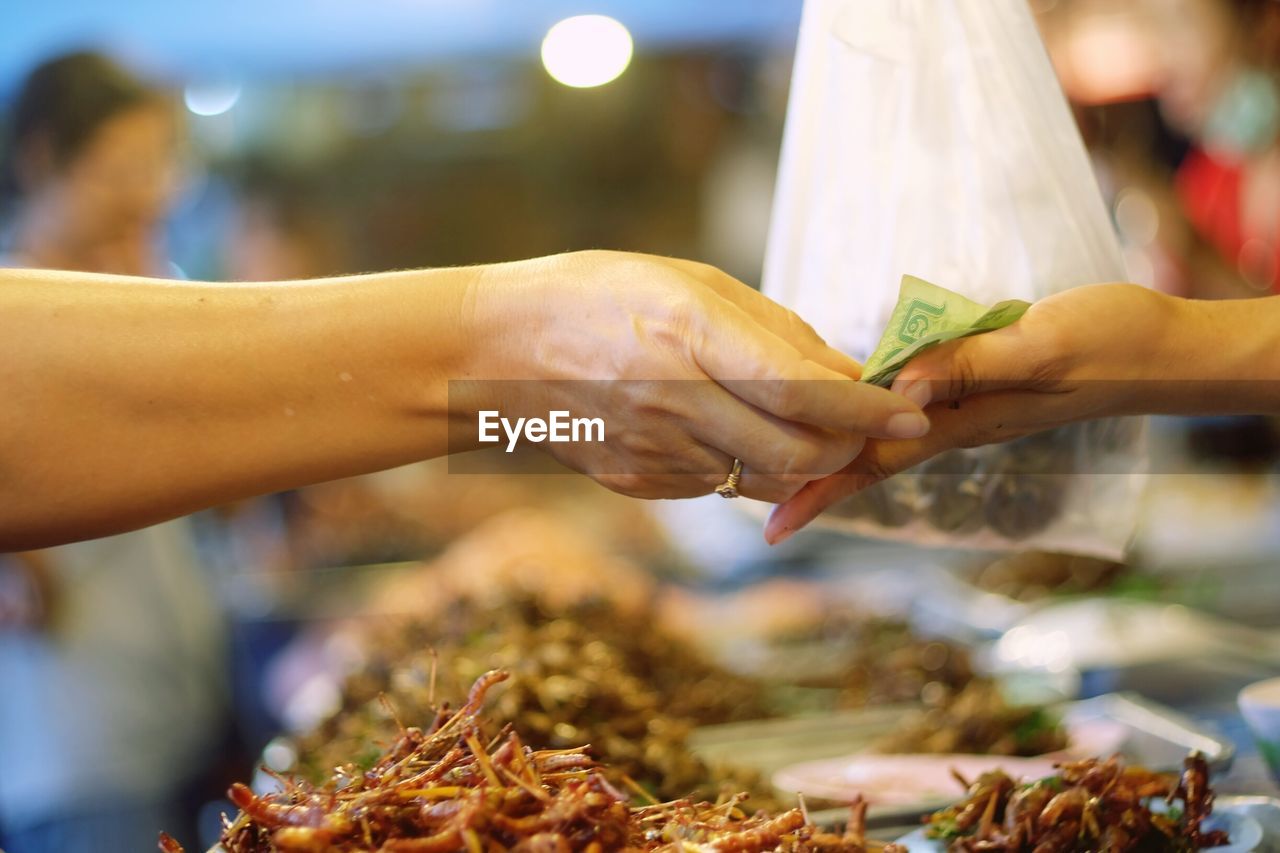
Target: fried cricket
444,789
1090,805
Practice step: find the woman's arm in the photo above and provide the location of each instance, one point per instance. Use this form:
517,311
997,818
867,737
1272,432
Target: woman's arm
128,401
1090,352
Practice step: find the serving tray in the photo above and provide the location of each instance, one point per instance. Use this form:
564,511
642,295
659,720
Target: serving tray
1154,736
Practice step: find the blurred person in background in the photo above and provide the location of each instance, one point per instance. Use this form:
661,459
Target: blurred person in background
1219,83
110,650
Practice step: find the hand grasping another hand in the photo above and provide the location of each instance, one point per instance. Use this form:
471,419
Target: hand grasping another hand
1090,352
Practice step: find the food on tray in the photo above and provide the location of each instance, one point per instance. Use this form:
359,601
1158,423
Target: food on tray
519,554
889,503
928,780
952,485
1033,575
979,720
908,782
891,663
407,512
593,674
448,787
1090,805
1016,492
1027,484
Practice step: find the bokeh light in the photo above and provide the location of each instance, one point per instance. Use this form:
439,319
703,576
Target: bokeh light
586,50
211,99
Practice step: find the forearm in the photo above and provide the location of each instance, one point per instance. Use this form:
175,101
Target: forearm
129,401
1219,357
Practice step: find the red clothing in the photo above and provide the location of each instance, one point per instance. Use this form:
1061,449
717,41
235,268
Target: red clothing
1209,187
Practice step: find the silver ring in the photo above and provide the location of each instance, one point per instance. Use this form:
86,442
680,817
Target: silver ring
729,488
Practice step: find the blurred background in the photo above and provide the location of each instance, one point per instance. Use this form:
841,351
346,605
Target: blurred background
299,138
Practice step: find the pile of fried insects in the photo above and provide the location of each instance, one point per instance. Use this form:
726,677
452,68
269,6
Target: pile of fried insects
445,789
1089,805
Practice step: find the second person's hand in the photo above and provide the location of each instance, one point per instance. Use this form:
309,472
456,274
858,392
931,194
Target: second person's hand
1090,352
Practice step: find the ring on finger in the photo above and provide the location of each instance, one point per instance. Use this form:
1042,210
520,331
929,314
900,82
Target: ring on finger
729,488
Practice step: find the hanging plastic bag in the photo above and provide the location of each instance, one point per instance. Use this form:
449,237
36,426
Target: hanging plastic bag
930,138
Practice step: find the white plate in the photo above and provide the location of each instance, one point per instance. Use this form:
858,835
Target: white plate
900,780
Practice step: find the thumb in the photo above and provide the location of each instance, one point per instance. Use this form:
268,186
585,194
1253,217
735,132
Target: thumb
992,361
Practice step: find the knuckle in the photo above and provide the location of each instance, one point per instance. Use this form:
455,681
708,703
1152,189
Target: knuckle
634,444
964,376
704,270
832,454
595,258
799,327
875,470
1047,358
684,485
680,314
854,445
774,490
802,459
788,488
640,399
631,485
1058,337
783,399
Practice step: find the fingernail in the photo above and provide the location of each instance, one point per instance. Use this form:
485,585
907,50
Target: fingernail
907,425
781,536
775,530
915,390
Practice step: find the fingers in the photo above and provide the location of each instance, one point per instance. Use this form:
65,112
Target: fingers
779,457
878,461
697,473
995,361
784,323
690,450
986,419
771,374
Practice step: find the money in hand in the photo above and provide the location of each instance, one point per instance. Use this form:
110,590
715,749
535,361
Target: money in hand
927,315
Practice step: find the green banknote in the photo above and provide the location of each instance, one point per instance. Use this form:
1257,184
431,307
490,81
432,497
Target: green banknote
927,315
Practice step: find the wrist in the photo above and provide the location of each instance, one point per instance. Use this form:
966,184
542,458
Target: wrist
1153,352
1206,357
508,327
507,318
1169,354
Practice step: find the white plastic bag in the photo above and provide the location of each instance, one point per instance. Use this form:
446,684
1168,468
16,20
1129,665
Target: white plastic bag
930,137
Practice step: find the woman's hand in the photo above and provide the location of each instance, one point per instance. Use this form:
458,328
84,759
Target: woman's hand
687,367
1089,352
198,394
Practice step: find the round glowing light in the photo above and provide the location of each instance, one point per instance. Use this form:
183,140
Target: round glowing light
586,50
211,100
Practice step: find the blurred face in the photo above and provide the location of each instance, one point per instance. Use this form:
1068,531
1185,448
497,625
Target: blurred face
119,186
1195,44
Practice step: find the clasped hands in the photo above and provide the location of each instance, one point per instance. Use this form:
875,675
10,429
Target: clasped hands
776,396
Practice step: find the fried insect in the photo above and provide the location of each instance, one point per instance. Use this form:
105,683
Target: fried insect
1090,805
587,674
445,789
976,719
